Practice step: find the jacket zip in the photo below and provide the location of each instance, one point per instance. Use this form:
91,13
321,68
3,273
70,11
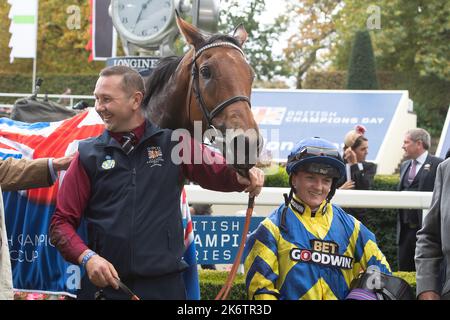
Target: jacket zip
133,213
133,183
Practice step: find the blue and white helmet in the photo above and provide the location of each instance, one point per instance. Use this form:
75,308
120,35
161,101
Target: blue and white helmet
316,155
313,155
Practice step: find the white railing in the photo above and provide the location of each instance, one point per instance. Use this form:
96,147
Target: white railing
344,198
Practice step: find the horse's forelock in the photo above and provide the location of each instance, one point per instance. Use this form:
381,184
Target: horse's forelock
168,65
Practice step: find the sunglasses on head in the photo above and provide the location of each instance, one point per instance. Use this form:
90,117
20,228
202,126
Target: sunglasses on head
307,152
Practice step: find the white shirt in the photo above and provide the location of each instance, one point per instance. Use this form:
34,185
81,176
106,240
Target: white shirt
421,160
348,170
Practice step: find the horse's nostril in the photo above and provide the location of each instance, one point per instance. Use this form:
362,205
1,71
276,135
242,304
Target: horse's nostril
243,151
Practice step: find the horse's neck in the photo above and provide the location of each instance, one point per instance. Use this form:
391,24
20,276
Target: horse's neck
168,108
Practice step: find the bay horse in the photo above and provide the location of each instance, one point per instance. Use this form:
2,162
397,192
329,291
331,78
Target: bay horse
218,95
211,85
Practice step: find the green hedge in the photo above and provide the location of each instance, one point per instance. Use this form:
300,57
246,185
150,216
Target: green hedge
53,84
382,222
277,177
212,281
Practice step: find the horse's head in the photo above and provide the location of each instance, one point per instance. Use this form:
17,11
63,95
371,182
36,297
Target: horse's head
220,82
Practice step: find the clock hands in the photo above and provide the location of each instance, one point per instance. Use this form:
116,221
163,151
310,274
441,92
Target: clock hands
144,6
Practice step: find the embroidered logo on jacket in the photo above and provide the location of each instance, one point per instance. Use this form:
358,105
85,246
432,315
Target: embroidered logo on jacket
324,253
155,156
108,163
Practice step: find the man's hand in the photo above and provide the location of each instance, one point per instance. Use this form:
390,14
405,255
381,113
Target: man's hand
100,271
350,156
348,185
256,182
62,163
429,295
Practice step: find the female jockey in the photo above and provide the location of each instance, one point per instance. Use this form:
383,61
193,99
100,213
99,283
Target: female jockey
309,248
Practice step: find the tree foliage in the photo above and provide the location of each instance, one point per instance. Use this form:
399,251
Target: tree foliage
262,36
362,71
411,42
413,35
314,22
61,46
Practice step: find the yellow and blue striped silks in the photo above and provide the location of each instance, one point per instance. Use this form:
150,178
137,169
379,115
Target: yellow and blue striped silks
315,258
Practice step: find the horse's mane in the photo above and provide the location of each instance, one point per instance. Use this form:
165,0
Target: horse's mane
167,66
161,75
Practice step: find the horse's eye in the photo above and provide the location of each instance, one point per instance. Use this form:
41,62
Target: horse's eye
205,72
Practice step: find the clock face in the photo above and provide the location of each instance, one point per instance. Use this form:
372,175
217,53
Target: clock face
142,19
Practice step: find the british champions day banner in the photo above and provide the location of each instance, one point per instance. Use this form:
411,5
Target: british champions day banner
287,116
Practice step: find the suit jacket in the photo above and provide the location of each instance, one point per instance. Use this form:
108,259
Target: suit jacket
433,240
363,178
423,181
363,181
16,174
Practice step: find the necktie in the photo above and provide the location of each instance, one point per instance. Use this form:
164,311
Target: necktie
128,142
412,171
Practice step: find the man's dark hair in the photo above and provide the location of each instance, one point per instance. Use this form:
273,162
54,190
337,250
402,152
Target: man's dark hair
131,79
359,141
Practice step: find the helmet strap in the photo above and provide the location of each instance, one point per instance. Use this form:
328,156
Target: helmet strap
287,200
332,190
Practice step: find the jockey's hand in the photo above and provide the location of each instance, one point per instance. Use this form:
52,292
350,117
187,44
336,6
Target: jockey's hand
101,272
256,182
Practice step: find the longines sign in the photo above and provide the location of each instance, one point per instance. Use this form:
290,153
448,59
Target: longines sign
137,63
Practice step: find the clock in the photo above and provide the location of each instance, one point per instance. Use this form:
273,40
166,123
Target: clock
144,23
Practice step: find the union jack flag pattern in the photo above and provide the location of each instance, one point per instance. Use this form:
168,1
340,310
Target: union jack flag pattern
37,265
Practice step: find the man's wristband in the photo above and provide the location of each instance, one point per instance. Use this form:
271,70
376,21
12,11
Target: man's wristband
86,258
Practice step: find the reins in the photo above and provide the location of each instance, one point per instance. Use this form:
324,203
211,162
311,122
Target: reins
194,87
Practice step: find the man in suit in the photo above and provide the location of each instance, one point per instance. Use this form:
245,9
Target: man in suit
19,174
433,242
416,174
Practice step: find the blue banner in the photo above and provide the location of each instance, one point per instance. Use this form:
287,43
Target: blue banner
217,238
37,265
287,116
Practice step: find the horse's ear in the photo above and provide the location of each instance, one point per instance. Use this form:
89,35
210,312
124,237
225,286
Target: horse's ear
191,34
240,34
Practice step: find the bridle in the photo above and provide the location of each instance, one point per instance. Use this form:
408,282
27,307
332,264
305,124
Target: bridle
194,86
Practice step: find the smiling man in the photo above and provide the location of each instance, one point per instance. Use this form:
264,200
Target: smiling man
127,187
309,248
